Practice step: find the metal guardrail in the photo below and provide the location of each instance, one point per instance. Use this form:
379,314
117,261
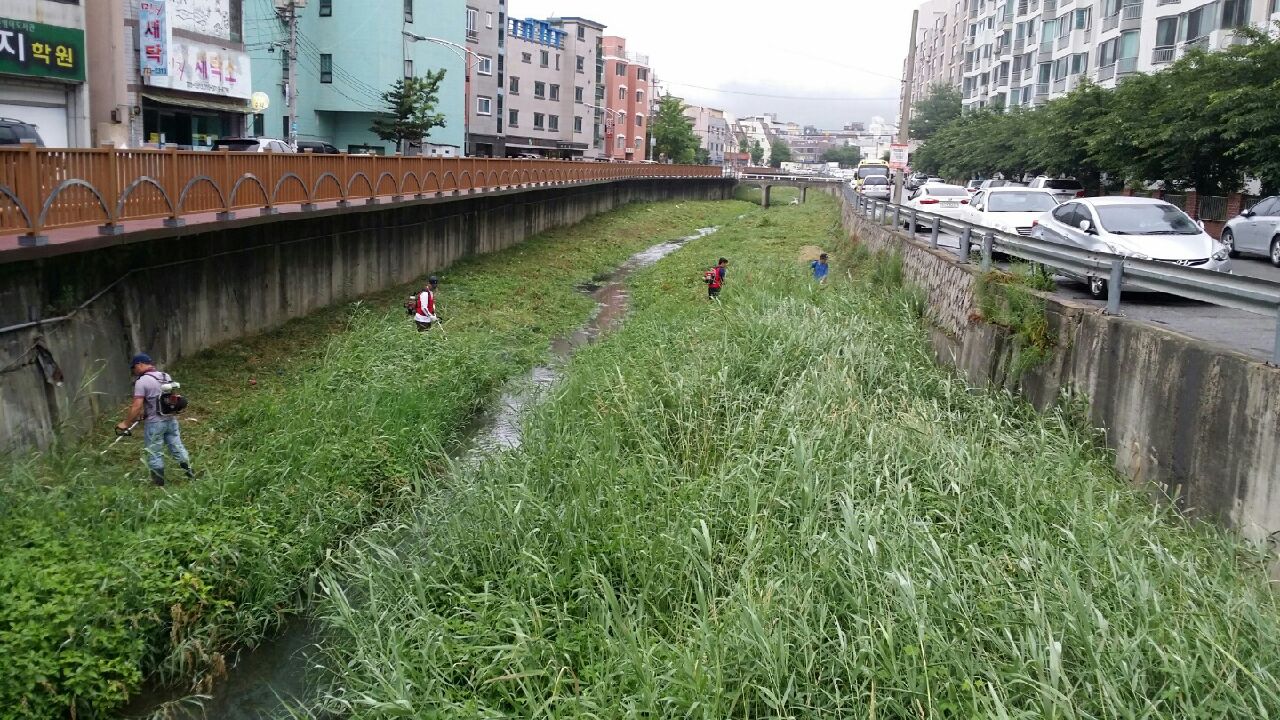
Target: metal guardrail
1121,273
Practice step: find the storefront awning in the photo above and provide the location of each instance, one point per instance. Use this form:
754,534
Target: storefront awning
228,105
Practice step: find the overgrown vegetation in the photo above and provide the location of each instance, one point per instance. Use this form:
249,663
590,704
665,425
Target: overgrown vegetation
1007,300
1206,122
778,506
301,437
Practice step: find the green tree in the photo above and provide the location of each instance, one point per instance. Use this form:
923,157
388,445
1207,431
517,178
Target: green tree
847,156
779,152
757,153
940,108
702,156
410,114
886,155
744,146
674,131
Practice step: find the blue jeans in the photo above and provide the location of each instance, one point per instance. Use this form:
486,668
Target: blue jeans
160,434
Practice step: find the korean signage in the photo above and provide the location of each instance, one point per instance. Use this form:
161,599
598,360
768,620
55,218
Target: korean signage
207,17
202,68
898,157
37,50
154,38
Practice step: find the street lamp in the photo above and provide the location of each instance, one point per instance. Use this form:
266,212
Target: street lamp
620,119
464,54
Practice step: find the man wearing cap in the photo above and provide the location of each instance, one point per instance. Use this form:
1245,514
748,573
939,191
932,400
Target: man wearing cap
424,306
160,431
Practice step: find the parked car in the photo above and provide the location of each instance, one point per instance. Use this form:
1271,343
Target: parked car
973,186
1063,188
319,148
13,132
1008,209
252,145
1255,230
934,181
939,199
995,183
1141,228
877,187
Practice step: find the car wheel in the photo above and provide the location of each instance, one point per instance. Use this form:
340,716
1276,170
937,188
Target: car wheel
1098,288
1229,239
1275,251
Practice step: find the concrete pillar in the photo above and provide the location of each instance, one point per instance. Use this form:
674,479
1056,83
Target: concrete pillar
804,193
764,195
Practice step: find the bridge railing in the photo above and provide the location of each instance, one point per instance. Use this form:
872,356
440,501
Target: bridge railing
1120,273
42,188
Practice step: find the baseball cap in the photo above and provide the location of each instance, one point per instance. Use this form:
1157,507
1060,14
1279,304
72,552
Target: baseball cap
140,359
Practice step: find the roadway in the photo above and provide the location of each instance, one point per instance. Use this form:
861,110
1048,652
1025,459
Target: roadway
1238,330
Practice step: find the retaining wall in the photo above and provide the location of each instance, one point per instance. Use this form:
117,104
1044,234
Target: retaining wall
1198,422
174,293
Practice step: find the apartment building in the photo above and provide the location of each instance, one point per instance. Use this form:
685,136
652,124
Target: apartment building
42,70
940,46
555,95
629,98
1027,52
486,80
712,128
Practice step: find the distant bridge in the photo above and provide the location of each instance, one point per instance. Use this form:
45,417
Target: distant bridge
766,183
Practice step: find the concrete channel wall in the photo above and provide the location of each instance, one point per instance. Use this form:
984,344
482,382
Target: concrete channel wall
1195,422
173,293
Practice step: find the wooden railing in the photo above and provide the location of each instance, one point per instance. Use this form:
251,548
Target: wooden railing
42,189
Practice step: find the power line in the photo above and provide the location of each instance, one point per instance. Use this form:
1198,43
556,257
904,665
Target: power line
781,97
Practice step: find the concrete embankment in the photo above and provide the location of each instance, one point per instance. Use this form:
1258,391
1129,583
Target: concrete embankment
71,321
1198,423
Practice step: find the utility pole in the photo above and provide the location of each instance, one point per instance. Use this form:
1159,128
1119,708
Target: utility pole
904,122
292,80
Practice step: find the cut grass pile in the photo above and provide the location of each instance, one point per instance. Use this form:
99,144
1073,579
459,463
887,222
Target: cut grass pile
780,507
105,581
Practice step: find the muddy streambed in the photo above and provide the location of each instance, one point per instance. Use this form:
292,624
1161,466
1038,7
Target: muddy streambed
272,677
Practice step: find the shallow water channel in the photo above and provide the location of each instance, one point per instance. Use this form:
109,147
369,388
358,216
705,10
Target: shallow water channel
272,677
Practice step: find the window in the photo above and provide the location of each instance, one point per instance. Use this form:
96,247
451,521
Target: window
540,90
472,18
513,118
555,92
485,65
639,96
1079,63
1129,45
553,122
639,120
582,33
326,69
326,8
582,64
577,124
1083,19
484,105
577,94
1107,53
538,121
526,57
1167,32
622,142
408,68
557,61
544,58
1235,13
622,93
515,85
621,70
408,11
642,73
488,20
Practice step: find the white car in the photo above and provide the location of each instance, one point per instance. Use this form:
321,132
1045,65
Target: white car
1008,209
1136,227
253,145
945,200
1256,230
877,187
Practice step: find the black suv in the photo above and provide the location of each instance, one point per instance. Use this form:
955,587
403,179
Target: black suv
13,132
318,148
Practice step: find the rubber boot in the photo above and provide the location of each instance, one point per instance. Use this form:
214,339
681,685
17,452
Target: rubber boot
191,474
157,478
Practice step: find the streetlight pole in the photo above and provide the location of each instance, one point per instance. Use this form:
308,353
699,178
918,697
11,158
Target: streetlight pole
293,75
464,54
904,121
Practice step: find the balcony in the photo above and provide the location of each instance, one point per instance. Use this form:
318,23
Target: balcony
1002,81
1019,43
1163,55
1111,22
1063,42
1042,89
1023,6
1131,17
1059,86
1046,46
1127,66
1106,72
1200,43
1050,6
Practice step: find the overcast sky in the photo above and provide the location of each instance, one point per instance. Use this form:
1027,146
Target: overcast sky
842,58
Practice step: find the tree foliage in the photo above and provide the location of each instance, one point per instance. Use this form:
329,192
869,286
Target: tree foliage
673,130
847,156
410,114
939,109
757,153
1206,122
779,152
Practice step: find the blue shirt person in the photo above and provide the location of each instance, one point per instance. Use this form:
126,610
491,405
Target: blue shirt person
820,268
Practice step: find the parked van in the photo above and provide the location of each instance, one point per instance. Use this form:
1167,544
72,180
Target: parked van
870,168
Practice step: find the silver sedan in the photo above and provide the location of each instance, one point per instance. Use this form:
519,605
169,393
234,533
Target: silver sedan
1255,231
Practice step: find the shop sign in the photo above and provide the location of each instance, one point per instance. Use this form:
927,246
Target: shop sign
202,68
154,38
899,156
37,50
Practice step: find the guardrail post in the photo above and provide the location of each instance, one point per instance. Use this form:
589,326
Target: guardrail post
29,190
988,244
1275,356
170,179
897,216
111,192
937,229
966,242
1115,286
914,217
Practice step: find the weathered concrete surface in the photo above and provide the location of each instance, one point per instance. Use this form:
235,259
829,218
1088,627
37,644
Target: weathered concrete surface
174,295
1198,423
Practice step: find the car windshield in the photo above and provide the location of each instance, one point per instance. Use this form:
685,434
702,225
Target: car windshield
867,172
1063,184
946,191
1020,202
876,180
1145,219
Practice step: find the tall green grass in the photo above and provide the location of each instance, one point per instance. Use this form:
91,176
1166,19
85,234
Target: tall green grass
105,581
778,506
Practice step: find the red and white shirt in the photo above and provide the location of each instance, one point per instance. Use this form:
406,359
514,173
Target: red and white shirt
425,312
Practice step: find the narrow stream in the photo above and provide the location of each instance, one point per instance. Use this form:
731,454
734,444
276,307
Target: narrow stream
268,679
